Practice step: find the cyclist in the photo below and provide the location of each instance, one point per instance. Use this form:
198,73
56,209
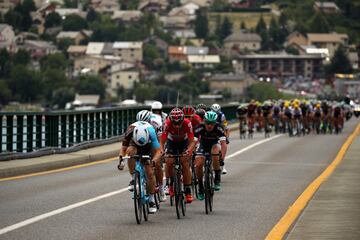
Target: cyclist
200,110
251,116
241,112
212,140
156,108
178,136
276,117
297,118
189,113
140,138
266,112
288,117
221,120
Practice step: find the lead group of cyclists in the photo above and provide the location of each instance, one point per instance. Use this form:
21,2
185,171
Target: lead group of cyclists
189,131
294,117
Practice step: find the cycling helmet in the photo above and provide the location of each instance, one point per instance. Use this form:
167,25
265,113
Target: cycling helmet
210,117
216,108
143,115
201,106
188,111
141,134
176,116
156,105
201,112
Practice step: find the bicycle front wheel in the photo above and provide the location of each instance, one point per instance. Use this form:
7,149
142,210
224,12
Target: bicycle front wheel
208,190
178,194
137,197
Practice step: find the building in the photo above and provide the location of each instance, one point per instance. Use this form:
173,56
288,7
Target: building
235,83
5,5
242,41
127,16
95,48
154,6
296,38
180,53
122,78
76,37
200,3
129,51
63,12
105,6
279,65
92,64
203,61
38,49
347,84
331,41
326,7
241,3
7,36
76,51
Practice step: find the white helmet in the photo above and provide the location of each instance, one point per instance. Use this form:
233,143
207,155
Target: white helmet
143,115
216,107
141,134
156,105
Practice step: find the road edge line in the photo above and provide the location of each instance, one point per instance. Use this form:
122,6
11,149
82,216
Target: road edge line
286,221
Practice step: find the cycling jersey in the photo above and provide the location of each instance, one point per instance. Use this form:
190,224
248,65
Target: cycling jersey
154,143
208,138
276,111
317,112
195,120
184,132
288,112
157,123
297,112
221,120
241,112
266,110
251,109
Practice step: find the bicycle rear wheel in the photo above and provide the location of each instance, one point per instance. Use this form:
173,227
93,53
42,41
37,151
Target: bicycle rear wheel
178,194
157,199
209,193
137,197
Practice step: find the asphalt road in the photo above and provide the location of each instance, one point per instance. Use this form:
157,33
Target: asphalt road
262,182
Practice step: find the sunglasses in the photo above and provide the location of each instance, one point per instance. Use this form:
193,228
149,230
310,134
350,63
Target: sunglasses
209,123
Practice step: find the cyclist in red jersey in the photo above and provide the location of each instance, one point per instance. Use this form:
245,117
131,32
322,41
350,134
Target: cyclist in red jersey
190,114
178,136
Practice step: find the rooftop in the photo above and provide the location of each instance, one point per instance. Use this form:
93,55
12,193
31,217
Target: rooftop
69,34
326,5
227,77
327,37
95,48
204,59
127,45
279,56
76,49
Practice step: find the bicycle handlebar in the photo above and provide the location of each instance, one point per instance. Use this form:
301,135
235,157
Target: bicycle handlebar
137,156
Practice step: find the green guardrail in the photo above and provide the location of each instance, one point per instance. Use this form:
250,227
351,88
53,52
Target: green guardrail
26,132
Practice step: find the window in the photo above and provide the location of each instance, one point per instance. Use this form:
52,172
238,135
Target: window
130,77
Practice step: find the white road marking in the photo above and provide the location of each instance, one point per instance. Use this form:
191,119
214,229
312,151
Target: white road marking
110,194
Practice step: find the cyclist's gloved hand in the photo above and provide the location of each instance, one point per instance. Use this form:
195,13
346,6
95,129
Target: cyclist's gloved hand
121,164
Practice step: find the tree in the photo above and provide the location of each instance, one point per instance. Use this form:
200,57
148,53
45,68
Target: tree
70,4
25,84
201,24
53,61
219,6
226,28
53,19
21,57
28,6
64,44
243,26
90,85
13,18
63,95
53,79
340,63
92,15
74,22
105,31
144,91
319,24
5,93
150,55
261,26
263,91
5,63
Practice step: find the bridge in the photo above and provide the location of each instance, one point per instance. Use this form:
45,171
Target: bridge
268,192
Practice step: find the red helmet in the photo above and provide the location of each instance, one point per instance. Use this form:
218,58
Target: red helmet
176,116
188,111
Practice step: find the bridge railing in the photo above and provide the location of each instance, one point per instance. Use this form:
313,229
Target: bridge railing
26,132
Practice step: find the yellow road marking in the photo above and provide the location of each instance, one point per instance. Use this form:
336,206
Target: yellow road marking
280,229
58,170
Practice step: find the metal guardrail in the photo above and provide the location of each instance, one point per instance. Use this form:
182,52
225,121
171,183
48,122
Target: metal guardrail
28,132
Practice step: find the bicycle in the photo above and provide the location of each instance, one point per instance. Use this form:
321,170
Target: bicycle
194,181
209,182
140,196
179,195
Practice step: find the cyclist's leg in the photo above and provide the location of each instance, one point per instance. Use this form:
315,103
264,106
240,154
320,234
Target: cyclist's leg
215,150
130,151
169,165
185,163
